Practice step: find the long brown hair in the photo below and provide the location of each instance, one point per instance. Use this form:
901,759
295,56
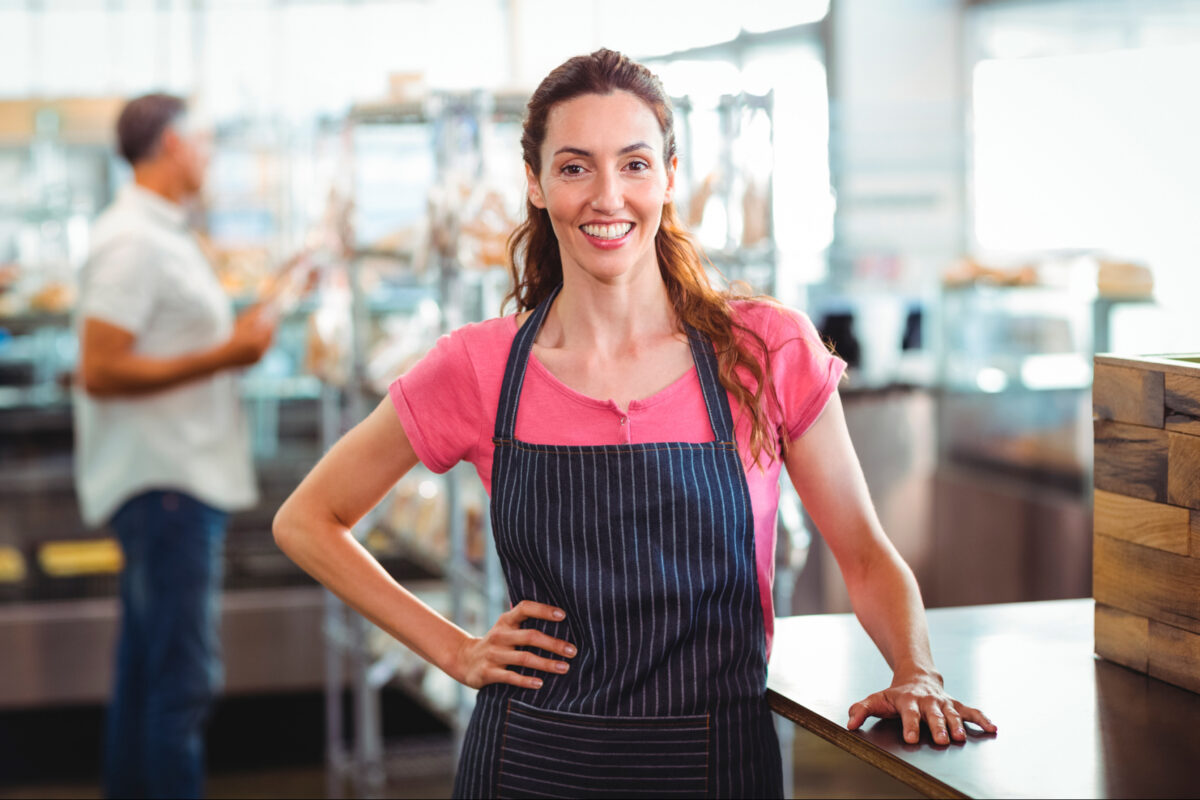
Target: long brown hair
536,264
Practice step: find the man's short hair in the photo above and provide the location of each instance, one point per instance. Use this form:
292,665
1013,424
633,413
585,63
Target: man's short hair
142,122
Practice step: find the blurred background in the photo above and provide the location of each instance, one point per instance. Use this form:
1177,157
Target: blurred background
970,199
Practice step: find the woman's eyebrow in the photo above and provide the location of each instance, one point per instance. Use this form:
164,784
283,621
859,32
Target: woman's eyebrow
587,153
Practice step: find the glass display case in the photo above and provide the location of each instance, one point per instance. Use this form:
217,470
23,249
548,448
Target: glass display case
1015,378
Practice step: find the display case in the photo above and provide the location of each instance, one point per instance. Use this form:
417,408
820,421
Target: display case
1015,377
1011,491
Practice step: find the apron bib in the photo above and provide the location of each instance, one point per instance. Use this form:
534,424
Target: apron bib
649,548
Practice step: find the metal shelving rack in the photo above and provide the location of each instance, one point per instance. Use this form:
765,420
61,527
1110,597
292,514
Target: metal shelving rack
470,594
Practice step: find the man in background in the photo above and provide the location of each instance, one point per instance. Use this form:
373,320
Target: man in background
162,447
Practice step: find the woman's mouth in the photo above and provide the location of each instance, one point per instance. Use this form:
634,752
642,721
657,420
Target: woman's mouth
607,235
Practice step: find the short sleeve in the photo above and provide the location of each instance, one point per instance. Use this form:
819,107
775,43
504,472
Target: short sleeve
806,373
120,285
438,402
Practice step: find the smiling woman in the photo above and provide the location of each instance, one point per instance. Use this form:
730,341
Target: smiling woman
630,425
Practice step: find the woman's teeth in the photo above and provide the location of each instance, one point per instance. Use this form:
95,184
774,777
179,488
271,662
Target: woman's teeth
615,231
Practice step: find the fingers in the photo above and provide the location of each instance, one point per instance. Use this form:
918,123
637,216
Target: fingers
528,609
524,658
504,647
876,705
944,716
499,675
976,716
535,638
946,721
935,718
910,719
954,723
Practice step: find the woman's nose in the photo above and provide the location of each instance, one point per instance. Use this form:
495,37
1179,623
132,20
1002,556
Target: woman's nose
607,197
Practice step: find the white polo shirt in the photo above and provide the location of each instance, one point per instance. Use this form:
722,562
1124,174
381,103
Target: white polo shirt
146,274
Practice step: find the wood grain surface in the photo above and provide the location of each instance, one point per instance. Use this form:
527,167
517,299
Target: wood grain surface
1123,637
1183,470
1151,583
1131,460
1175,655
1185,364
1181,401
1195,546
1143,522
1124,394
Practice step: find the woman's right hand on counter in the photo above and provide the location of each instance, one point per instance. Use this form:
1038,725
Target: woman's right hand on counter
486,659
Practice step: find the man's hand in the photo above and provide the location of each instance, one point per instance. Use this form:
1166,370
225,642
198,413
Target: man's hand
252,335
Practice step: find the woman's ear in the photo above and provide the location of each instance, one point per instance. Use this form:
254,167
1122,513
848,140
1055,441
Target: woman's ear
535,189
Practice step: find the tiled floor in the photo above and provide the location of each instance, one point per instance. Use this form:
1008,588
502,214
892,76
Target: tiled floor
821,771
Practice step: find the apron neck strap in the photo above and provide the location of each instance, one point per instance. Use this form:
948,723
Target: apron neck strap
715,398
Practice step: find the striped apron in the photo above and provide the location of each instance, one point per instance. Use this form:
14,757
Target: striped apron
649,548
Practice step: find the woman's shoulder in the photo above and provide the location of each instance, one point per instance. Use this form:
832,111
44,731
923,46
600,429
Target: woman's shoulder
776,323
479,338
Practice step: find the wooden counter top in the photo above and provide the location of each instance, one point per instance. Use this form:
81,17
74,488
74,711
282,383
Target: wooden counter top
1070,724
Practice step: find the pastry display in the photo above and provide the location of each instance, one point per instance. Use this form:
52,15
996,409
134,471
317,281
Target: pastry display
1124,279
55,297
968,271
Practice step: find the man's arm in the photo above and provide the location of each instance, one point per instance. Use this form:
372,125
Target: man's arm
109,366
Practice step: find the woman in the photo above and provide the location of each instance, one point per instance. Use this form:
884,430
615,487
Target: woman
630,425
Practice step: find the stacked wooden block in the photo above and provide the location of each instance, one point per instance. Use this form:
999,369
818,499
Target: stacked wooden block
1146,574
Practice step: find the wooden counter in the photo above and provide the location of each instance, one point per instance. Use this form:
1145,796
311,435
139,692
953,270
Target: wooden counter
1070,724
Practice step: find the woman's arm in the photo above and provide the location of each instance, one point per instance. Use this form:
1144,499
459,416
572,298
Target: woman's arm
829,479
313,527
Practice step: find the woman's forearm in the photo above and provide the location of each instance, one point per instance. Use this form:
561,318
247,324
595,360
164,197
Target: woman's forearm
887,601
329,552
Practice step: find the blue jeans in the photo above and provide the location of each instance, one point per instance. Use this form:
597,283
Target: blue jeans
168,662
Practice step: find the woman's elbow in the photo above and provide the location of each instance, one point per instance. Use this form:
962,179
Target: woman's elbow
283,528
876,563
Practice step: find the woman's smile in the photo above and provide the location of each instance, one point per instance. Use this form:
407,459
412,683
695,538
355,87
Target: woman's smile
607,236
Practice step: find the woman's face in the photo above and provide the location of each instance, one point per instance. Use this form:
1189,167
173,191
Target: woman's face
603,183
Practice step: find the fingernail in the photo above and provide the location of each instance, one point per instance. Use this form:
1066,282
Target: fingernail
558,614
561,666
570,650
960,732
536,683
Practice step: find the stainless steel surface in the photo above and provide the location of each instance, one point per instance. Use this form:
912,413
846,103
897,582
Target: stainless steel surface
62,652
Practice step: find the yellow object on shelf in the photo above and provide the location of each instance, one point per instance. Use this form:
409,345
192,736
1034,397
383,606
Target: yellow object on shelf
89,557
12,565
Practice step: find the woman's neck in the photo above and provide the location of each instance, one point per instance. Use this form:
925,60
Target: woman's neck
611,319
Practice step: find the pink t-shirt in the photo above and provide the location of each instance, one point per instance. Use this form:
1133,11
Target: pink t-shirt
447,404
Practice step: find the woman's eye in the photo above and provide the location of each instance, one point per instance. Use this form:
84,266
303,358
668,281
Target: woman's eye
638,166
572,169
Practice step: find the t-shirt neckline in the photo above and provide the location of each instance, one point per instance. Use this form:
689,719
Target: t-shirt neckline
663,394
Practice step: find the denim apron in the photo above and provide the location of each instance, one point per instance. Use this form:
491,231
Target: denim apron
649,548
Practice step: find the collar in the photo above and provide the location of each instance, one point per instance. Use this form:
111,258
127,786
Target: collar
155,205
